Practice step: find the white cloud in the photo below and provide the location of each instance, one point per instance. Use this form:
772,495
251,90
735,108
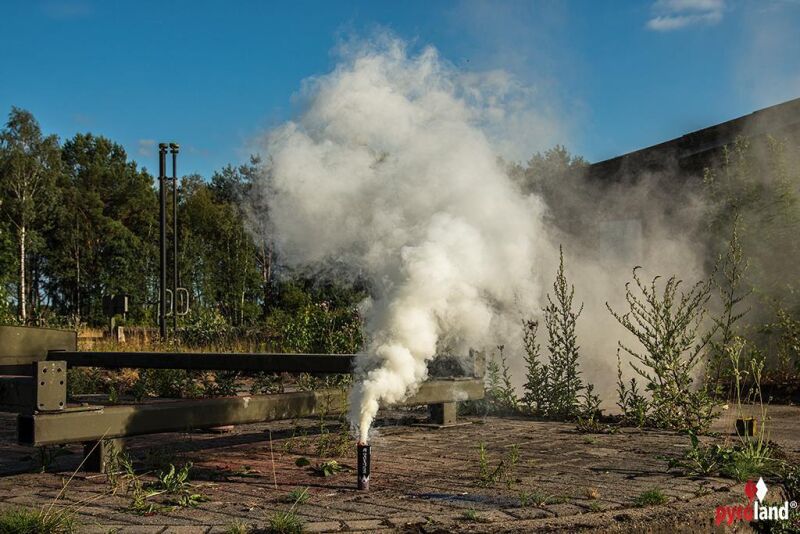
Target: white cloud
146,147
676,14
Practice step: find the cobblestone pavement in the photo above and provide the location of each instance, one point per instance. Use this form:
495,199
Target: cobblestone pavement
423,479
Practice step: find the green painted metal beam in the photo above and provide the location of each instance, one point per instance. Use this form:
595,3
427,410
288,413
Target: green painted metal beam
21,346
93,423
211,361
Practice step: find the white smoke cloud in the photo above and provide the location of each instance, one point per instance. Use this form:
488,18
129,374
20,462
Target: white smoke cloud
390,171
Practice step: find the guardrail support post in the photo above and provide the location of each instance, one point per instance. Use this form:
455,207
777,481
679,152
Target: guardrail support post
443,414
99,456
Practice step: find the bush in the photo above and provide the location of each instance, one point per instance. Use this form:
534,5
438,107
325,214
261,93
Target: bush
555,389
318,328
205,327
667,324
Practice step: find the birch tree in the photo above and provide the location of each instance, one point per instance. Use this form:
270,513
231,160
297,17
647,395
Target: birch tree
29,164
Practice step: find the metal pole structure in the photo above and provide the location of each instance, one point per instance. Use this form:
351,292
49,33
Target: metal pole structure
174,149
162,191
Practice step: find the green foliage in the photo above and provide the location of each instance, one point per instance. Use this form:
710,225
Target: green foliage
29,165
536,379
555,389
284,522
318,328
265,383
701,460
27,521
168,383
564,381
652,497
504,471
732,268
327,469
221,384
238,527
558,178
104,239
667,324
297,495
756,187
500,397
172,485
753,455
740,462
634,405
538,498
787,328
205,327
470,515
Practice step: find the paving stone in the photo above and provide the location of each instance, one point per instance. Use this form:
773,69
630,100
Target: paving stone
528,513
322,526
401,521
366,524
420,476
141,529
100,529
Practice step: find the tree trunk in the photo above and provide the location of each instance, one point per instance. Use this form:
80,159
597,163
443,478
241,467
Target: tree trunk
23,309
266,274
78,287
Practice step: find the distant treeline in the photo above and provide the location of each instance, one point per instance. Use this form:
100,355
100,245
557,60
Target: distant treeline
79,220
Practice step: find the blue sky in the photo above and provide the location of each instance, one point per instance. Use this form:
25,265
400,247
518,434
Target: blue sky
213,75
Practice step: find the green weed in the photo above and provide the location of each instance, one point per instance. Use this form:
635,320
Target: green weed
27,521
297,495
505,471
652,497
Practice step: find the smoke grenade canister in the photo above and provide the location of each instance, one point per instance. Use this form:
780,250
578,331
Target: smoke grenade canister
363,466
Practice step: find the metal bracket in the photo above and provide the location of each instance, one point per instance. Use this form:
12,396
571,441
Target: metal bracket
169,309
51,386
182,305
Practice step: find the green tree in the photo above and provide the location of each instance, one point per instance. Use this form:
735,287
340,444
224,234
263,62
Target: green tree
217,252
29,165
105,239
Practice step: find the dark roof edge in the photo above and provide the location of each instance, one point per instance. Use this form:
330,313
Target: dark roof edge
733,125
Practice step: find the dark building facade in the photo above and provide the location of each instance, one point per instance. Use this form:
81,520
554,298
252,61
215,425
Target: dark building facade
689,154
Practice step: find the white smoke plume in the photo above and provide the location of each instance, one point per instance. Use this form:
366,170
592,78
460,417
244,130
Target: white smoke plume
389,172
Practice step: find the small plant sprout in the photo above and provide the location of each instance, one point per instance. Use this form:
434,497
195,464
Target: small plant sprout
238,527
504,471
652,497
284,522
287,521
327,469
297,495
471,515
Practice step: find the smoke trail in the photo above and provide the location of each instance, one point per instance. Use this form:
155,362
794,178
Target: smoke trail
388,171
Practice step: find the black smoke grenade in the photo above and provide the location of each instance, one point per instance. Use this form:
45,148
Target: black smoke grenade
363,466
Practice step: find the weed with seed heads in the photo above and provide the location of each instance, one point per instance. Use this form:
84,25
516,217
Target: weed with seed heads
667,323
27,521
